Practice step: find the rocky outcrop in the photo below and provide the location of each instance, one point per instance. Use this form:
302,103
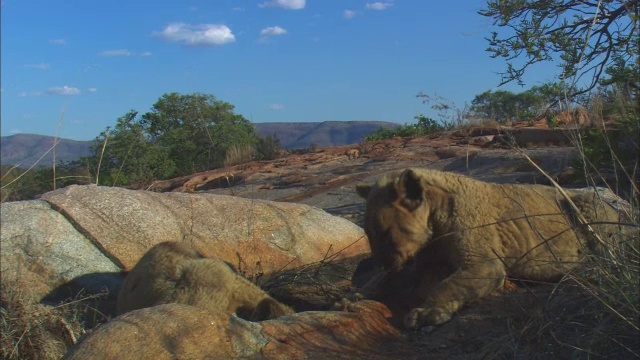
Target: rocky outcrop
81,234
41,250
86,235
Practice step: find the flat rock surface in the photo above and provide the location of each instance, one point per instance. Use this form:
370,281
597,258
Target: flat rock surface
326,178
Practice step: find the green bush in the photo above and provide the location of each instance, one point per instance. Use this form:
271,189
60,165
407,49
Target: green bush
268,147
181,135
424,126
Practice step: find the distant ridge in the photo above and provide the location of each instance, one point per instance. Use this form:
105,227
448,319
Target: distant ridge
25,149
298,135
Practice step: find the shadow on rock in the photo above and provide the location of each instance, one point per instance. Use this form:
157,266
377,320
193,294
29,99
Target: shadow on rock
221,182
315,286
95,294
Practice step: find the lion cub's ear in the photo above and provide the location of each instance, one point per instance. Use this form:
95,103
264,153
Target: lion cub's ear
363,190
410,190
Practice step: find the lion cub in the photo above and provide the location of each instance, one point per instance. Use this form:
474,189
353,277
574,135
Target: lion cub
453,239
174,272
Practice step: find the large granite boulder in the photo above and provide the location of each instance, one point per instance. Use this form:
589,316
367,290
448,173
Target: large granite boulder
88,234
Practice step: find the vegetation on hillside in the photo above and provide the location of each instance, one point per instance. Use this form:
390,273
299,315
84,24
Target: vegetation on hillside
503,106
181,135
423,126
22,184
593,313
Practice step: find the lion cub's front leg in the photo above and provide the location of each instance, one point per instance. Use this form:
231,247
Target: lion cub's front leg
447,297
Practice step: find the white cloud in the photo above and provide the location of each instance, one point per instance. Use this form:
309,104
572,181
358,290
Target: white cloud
348,14
123,52
285,4
276,106
379,5
273,31
118,52
30,93
198,35
64,90
57,41
92,90
41,66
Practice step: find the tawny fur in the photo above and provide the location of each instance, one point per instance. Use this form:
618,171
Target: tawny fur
352,154
173,272
454,239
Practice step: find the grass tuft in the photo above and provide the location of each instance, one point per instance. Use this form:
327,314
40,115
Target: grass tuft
30,330
239,154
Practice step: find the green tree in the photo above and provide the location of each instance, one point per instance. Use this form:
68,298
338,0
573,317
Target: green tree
182,134
542,100
494,105
268,147
549,96
426,125
616,98
196,130
129,156
504,105
621,87
585,35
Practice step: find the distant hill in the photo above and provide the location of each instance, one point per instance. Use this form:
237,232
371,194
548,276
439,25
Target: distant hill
26,149
298,135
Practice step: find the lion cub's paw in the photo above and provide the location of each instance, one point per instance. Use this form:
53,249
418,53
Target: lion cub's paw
420,317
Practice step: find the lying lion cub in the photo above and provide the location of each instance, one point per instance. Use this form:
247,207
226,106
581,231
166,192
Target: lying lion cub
174,272
461,236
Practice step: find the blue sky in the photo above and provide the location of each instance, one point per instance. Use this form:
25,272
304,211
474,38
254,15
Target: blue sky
73,67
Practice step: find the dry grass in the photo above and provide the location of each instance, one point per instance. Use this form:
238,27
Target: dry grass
314,286
33,331
594,312
591,314
239,154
